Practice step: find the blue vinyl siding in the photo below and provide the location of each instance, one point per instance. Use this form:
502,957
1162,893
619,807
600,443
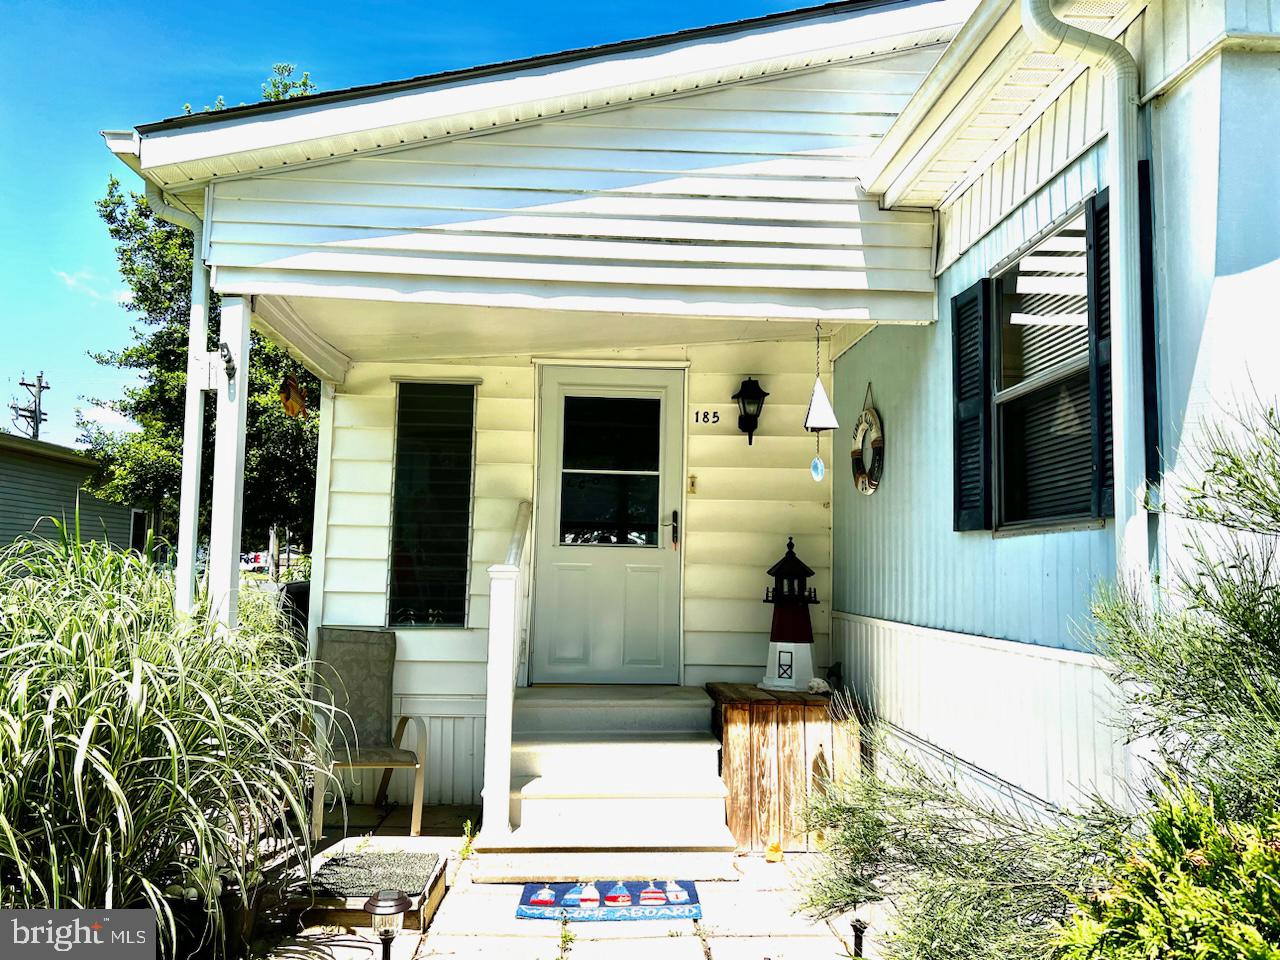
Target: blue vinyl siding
895,554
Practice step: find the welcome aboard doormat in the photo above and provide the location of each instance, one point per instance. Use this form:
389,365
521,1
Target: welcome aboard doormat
604,900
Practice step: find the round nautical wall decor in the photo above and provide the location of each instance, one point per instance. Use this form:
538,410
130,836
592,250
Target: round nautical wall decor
868,451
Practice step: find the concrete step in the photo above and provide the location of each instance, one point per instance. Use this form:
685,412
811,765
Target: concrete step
600,708
620,809
628,757
572,866
650,836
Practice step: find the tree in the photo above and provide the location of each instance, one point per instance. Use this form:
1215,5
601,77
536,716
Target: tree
145,467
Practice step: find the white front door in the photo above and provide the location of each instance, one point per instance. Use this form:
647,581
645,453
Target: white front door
606,588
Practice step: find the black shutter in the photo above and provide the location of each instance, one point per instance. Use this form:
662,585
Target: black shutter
431,515
1098,248
1150,398
971,330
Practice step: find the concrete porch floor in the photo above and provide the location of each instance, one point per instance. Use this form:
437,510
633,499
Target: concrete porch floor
753,918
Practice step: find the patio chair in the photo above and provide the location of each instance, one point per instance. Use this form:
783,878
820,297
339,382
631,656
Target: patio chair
357,667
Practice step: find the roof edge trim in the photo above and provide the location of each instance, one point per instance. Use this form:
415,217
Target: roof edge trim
426,81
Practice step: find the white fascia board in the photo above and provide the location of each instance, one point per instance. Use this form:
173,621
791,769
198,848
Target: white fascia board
285,327
125,144
689,64
957,84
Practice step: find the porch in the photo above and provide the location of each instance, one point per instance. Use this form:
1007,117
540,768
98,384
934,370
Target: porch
501,721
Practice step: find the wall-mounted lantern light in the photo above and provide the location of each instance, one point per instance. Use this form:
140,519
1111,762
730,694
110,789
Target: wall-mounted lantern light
750,399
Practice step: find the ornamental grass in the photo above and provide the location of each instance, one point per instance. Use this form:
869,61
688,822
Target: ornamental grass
147,758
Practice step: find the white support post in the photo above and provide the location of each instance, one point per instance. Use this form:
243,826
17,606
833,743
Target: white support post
504,628
228,461
320,528
193,429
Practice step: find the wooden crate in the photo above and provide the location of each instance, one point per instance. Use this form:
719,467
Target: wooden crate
776,749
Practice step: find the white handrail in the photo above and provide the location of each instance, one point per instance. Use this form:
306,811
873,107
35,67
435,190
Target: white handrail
515,550
505,625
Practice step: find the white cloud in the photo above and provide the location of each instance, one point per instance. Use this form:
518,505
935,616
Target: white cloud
86,283
109,419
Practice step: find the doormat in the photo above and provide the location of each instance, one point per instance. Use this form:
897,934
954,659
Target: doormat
602,900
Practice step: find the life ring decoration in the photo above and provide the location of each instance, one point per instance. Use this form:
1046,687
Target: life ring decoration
867,431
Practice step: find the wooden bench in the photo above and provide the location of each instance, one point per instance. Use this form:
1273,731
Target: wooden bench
777,748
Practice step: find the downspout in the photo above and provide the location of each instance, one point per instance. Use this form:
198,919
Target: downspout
1053,36
197,385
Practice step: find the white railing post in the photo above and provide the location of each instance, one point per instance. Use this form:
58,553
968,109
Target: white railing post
504,644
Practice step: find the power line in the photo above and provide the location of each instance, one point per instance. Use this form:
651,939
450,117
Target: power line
32,412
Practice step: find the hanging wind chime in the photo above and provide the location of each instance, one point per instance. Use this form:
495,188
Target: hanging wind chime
820,416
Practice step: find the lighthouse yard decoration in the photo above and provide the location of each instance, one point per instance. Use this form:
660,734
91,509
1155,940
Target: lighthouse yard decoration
790,663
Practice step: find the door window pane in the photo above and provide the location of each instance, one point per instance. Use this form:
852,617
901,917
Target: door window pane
611,433
609,508
609,472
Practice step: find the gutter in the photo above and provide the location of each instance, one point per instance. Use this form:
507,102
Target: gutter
199,382
1050,35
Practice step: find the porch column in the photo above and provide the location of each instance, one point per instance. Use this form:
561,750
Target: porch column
228,459
193,428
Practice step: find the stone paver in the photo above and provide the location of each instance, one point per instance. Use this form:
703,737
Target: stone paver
777,948
754,918
764,903
668,948
489,948
473,909
321,943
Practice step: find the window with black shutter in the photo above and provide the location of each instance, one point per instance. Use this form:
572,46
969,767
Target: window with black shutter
1033,354
431,506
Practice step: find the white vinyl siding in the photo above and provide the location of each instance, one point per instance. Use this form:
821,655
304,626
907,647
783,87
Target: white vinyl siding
1041,719
724,203
748,500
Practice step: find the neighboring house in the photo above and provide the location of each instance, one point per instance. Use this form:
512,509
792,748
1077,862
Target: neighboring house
542,282
40,480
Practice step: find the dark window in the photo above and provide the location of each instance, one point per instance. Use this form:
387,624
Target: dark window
138,531
431,512
1032,347
609,471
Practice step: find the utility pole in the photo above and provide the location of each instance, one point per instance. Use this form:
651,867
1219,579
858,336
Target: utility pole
31,412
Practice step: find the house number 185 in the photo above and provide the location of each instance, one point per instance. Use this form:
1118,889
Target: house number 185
706,416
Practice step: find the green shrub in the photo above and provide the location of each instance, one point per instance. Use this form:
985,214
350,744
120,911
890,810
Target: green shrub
1194,888
972,875
146,757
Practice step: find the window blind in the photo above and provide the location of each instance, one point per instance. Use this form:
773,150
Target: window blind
431,506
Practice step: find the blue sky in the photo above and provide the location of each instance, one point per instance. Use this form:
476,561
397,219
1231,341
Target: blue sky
68,70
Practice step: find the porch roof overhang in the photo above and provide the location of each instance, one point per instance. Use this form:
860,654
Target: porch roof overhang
417,256
982,94
183,151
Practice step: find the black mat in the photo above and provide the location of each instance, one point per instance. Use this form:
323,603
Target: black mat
364,872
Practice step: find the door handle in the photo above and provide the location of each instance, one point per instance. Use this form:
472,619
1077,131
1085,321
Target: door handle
674,524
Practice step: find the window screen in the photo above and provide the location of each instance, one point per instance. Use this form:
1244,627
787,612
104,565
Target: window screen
431,513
